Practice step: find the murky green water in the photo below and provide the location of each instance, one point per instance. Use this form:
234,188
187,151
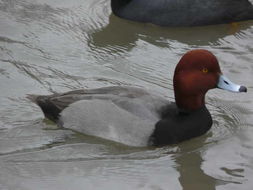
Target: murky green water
55,46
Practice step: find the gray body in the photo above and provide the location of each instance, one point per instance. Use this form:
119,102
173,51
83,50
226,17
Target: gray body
123,114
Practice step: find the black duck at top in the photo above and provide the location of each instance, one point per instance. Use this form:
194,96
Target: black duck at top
183,12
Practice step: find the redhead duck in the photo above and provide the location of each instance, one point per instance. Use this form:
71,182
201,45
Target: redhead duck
183,13
137,117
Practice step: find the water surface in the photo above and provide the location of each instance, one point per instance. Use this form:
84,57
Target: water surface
56,46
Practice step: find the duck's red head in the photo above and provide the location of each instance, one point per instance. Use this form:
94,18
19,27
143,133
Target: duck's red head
196,73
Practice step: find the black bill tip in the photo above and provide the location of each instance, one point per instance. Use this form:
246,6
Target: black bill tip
242,89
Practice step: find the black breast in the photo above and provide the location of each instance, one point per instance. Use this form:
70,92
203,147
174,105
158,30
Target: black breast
177,126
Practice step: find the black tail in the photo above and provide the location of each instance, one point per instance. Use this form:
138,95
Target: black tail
50,110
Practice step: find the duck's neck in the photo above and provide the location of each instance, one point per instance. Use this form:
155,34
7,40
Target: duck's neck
117,4
190,103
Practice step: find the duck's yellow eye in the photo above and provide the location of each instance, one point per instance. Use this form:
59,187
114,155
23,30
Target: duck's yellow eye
205,70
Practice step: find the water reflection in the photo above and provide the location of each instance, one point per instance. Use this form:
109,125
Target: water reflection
189,162
125,34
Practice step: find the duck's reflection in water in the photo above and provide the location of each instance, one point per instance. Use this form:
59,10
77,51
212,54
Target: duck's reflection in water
189,162
121,34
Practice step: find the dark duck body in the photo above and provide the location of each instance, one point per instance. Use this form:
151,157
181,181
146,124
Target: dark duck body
137,117
183,12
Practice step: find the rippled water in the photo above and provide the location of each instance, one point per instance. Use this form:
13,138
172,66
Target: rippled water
55,46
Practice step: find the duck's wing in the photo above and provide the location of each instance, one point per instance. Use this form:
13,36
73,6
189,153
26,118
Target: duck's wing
128,98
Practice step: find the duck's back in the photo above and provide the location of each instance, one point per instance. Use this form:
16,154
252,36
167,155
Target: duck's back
184,12
123,114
